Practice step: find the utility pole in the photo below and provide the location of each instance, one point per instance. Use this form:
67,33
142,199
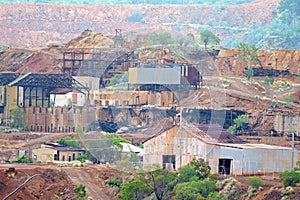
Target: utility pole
293,124
180,134
293,147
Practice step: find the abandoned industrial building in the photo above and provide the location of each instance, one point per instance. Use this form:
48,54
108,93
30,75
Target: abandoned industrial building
153,89
49,152
226,153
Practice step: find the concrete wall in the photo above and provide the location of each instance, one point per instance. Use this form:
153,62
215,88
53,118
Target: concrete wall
46,154
286,123
125,98
10,98
43,154
68,155
61,119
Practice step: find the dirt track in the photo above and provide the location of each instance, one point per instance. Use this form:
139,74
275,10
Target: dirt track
79,176
54,181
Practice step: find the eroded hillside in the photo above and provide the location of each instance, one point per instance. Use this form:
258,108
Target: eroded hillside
28,24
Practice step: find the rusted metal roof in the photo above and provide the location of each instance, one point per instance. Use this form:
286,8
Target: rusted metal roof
221,135
211,133
160,127
62,91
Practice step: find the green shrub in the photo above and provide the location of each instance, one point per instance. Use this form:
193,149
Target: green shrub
289,178
215,196
80,191
82,158
69,141
213,177
113,183
255,182
290,98
269,80
206,187
186,173
195,189
187,191
24,159
116,139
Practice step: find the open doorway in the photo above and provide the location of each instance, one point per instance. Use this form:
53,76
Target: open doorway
224,166
168,162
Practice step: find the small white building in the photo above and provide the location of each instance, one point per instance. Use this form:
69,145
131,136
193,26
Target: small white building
226,153
67,97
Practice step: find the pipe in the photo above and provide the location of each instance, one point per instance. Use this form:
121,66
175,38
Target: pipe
15,190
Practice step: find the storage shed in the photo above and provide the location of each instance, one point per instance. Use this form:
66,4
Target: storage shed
226,153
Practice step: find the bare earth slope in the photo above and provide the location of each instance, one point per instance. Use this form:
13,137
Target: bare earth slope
28,24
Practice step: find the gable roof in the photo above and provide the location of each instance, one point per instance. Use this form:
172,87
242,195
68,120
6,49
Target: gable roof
221,135
159,128
209,133
6,77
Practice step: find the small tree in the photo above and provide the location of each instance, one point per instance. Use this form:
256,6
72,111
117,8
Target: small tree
207,36
201,167
163,38
289,178
134,190
248,54
240,123
249,72
80,191
160,181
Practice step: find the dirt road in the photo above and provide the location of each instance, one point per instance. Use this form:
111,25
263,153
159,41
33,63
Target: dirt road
79,176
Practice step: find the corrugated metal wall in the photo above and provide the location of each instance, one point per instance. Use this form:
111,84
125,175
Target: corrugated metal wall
243,160
154,76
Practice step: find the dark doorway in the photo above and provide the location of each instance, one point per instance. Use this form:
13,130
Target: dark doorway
224,166
168,162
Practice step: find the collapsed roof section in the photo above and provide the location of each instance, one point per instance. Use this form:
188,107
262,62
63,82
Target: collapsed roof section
51,81
35,89
43,80
7,77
